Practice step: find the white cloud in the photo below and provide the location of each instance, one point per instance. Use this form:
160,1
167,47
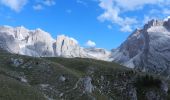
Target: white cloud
38,7
167,18
133,4
114,9
42,4
111,13
90,43
15,5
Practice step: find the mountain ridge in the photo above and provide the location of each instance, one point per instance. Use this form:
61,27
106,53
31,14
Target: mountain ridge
39,43
147,49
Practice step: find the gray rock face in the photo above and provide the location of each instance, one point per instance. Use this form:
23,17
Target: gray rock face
147,49
16,62
68,47
26,42
88,85
39,43
98,53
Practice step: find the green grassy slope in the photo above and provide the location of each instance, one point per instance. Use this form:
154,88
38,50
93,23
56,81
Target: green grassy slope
28,78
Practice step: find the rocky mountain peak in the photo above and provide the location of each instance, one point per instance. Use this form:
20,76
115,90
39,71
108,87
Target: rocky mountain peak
167,23
147,49
153,23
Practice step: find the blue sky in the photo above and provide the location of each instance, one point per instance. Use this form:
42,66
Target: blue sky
100,23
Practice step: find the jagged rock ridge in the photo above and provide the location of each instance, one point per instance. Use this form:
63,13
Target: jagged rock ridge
39,43
147,49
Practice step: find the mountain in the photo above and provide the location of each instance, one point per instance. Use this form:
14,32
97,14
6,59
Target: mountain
34,66
58,78
39,43
20,40
147,49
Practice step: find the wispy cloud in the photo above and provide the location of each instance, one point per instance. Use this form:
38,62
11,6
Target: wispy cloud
134,4
38,7
166,11
49,2
18,5
111,14
81,2
15,5
114,9
42,4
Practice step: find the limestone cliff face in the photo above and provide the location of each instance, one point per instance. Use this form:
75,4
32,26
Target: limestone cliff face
147,49
26,42
68,47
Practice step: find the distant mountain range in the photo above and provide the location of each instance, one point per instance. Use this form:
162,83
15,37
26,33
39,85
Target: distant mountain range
146,49
39,43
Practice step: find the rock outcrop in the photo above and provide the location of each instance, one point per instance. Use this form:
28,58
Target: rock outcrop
147,49
68,47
